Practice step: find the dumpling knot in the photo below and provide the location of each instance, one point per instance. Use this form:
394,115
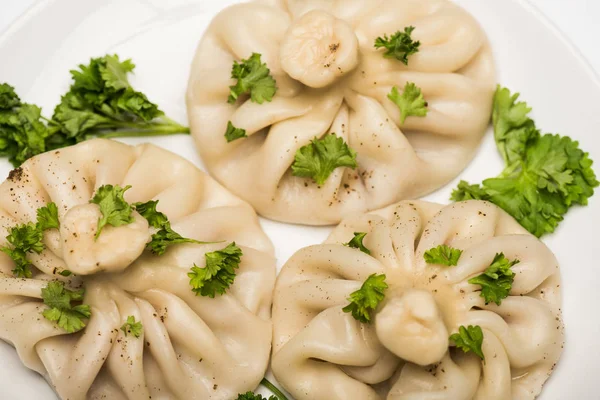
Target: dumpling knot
318,49
411,326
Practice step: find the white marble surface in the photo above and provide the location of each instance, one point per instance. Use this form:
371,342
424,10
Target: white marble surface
576,18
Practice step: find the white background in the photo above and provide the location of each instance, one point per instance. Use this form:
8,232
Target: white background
576,18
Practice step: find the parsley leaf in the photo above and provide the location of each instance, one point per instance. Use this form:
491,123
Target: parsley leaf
497,280
357,242
367,298
400,45
25,238
219,272
252,396
234,133
102,102
513,129
47,217
443,255
253,78
22,133
410,102
59,299
165,236
469,339
8,97
131,327
155,218
318,159
544,177
115,210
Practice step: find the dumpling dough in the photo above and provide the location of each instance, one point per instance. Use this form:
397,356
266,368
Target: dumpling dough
331,79
322,353
191,347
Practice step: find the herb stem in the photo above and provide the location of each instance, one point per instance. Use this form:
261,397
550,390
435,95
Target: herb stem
151,129
273,389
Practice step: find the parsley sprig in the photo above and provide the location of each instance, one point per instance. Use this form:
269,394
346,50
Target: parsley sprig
366,299
165,236
319,158
410,102
218,274
100,103
60,308
443,255
278,394
400,45
469,339
544,175
115,210
253,78
28,238
132,327
497,279
357,242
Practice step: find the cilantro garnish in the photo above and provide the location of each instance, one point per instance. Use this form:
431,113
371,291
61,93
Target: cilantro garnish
410,102
469,339
47,217
131,327
367,298
442,255
253,78
219,272
357,242
234,133
400,45
59,299
165,236
544,176
318,159
22,131
497,279
115,210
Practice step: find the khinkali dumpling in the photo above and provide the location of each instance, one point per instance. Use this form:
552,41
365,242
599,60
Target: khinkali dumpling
331,79
321,352
190,347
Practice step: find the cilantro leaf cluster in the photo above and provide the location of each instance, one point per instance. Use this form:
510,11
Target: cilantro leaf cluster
23,133
165,236
218,274
28,238
366,299
497,279
443,255
319,158
60,308
400,45
232,133
100,103
115,210
469,339
357,242
545,175
131,327
253,78
410,102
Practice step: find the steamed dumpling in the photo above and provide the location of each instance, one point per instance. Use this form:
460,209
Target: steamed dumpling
331,79
323,353
191,347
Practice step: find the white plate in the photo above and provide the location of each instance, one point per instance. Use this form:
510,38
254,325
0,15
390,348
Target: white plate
37,52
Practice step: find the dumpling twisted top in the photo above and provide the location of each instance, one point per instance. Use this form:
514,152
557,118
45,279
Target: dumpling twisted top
321,352
191,347
331,79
